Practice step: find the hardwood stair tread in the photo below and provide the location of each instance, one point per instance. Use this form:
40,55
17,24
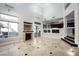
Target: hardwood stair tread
69,42
69,39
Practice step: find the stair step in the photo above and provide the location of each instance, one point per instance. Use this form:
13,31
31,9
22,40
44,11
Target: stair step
69,39
69,42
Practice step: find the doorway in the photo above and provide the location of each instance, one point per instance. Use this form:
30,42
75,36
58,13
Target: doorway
37,29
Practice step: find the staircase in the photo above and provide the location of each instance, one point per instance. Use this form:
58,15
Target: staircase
69,40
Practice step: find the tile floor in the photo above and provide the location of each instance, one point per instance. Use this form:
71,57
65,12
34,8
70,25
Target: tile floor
39,47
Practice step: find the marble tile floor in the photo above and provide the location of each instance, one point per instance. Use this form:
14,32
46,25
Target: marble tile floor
39,47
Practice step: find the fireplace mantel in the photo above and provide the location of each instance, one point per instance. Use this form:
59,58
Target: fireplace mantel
25,31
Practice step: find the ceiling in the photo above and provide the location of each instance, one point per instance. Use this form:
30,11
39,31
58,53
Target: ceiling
31,10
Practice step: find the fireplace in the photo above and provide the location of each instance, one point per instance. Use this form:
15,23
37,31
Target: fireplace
27,31
28,36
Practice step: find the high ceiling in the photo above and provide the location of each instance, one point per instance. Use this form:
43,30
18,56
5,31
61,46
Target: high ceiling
31,10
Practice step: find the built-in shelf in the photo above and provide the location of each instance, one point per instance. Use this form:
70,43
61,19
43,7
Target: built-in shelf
53,30
27,27
27,31
70,27
70,24
60,25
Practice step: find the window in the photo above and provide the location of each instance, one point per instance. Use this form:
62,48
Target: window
3,29
55,31
45,31
13,29
48,31
8,29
